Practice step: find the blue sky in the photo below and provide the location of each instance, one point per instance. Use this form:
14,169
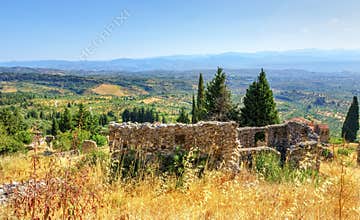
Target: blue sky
49,29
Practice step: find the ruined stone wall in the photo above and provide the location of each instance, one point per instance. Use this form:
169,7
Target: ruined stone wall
221,139
215,138
293,140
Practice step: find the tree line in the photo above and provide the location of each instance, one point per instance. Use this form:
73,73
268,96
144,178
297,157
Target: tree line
213,102
142,115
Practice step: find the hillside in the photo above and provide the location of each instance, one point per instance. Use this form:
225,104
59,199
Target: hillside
297,92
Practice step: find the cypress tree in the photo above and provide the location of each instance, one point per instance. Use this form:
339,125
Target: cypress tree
259,106
193,111
218,101
201,92
201,110
351,123
126,115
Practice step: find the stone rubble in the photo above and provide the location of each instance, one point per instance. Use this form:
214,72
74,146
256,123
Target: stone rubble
9,189
88,146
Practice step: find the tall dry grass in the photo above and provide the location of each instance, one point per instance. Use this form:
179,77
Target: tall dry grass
85,193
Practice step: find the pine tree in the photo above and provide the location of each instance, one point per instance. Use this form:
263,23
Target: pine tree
193,111
351,123
218,98
259,105
183,117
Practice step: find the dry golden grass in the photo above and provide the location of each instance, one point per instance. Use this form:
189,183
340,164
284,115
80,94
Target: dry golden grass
8,87
108,89
115,90
216,196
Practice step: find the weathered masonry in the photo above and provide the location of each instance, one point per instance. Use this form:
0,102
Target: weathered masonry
294,141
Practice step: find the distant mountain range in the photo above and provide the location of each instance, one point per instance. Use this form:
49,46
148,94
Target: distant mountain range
307,59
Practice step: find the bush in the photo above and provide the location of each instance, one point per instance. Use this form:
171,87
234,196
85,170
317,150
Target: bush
268,166
71,140
99,139
81,136
63,141
10,145
24,137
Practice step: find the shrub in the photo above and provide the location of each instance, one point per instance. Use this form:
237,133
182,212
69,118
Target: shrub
24,137
99,139
63,141
268,166
10,145
81,136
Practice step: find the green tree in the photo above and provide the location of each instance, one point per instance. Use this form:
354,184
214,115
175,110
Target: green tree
193,111
126,115
157,117
259,106
218,98
183,117
164,120
54,127
12,120
351,123
42,115
91,123
200,107
81,117
103,119
65,121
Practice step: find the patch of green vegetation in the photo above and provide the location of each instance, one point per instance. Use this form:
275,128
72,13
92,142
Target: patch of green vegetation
268,166
336,140
345,151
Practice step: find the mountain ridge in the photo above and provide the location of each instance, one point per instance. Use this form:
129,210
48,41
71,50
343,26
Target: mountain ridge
307,59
